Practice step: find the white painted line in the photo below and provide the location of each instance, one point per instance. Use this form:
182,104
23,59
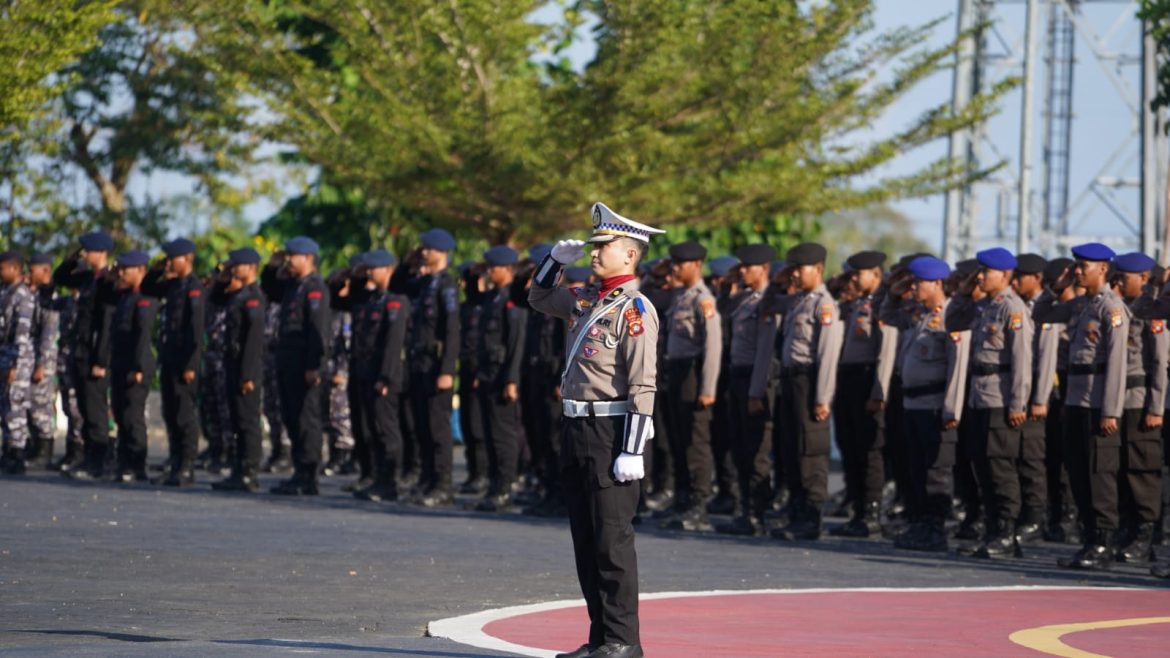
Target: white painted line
468,629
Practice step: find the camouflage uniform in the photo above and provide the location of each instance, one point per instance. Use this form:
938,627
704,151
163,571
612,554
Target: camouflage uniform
338,426
17,307
65,306
213,385
42,413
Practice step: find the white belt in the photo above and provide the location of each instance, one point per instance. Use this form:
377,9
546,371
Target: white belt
579,409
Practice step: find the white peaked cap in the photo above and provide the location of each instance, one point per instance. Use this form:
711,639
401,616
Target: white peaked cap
608,225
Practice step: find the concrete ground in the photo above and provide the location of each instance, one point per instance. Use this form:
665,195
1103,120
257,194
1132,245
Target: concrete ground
101,569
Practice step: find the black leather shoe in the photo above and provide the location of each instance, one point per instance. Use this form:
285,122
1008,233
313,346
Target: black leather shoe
380,492
742,526
970,529
1095,555
494,503
929,537
1160,571
1140,547
239,482
858,526
437,498
1029,533
722,504
1004,544
805,527
475,486
660,500
180,479
302,483
580,652
615,650
693,520
359,485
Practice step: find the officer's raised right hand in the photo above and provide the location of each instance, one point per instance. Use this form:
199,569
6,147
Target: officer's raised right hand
568,251
247,386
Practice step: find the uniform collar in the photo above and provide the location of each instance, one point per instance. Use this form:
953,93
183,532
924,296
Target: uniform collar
614,282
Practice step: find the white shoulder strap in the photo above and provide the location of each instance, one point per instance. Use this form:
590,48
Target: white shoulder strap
593,319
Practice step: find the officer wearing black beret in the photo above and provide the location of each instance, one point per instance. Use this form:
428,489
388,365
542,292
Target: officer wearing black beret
860,434
180,348
131,330
1028,282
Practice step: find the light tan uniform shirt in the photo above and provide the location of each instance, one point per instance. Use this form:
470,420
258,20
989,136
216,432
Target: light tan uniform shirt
1097,354
813,332
752,334
936,359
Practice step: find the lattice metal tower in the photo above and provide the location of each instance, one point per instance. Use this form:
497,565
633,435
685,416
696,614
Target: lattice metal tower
1036,203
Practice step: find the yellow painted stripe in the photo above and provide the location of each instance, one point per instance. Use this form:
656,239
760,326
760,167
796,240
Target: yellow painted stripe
1047,639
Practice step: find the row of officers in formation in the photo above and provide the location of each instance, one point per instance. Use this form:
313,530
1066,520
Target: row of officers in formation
1004,401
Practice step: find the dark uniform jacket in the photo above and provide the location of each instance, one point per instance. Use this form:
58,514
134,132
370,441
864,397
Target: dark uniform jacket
180,336
130,336
502,329
380,325
244,333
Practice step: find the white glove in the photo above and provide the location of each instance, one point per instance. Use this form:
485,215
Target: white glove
628,468
568,251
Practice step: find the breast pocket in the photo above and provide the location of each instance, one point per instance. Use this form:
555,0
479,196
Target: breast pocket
992,333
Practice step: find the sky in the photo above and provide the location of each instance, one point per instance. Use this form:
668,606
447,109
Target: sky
1101,126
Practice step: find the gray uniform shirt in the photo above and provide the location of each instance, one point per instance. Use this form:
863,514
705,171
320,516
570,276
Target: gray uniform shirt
695,330
1097,353
1147,353
863,336
936,359
813,333
618,357
1001,358
895,317
752,332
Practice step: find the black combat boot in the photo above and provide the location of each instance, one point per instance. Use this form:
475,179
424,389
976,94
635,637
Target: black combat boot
1001,544
806,527
866,522
1095,555
1140,545
40,454
243,479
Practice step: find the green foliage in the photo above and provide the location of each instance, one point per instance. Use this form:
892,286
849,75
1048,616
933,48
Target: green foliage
693,112
1156,14
37,39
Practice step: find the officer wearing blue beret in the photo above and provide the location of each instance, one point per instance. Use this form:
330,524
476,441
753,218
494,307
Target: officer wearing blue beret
180,348
1094,405
1001,382
303,346
86,271
500,358
130,337
433,346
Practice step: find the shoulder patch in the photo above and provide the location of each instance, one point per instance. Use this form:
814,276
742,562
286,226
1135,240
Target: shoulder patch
1115,317
708,308
634,322
1017,322
393,305
252,303
194,292
143,303
1158,326
510,304
826,314
314,294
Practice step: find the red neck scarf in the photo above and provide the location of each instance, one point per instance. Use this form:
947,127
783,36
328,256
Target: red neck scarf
608,285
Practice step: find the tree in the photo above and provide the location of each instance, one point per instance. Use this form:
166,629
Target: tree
37,39
142,102
1156,15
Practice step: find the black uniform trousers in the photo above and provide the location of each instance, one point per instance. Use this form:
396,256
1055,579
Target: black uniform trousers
601,514
930,455
411,453
300,407
179,408
92,394
1033,472
659,467
966,484
897,468
381,427
806,444
721,431
995,451
1141,468
501,420
360,426
540,411
245,418
431,414
751,443
1060,498
860,435
689,431
129,406
471,425
1093,461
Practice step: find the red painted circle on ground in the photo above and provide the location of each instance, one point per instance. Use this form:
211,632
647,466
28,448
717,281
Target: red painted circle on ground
970,623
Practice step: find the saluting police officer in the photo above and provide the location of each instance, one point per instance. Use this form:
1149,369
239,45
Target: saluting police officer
470,416
302,352
694,352
434,345
180,348
132,370
813,334
608,388
1028,283
752,335
244,351
1001,382
499,357
934,380
860,433
85,271
1096,401
1141,423
377,367
17,355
